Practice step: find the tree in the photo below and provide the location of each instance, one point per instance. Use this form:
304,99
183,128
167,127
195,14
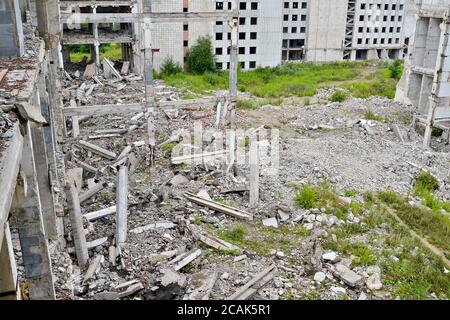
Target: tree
201,57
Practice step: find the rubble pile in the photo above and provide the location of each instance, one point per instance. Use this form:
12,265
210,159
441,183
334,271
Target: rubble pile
177,213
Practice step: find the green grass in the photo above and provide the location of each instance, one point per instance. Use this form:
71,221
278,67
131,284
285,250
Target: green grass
432,225
417,272
338,96
307,197
369,115
111,51
301,80
261,240
425,183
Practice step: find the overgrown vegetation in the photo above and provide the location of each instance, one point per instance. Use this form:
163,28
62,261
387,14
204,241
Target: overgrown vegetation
307,197
201,58
425,183
338,96
360,79
369,115
396,69
112,51
170,67
431,224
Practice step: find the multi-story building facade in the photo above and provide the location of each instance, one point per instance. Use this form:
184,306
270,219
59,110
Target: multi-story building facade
270,31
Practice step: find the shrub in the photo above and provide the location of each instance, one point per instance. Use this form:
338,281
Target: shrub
396,69
338,96
201,57
307,196
170,67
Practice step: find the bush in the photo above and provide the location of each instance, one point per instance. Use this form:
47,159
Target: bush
307,196
338,96
201,57
170,67
396,69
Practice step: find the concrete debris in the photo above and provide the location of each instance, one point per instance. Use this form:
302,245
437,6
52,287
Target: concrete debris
319,277
349,277
218,244
153,226
184,259
271,222
203,283
169,227
219,207
171,276
330,257
253,285
204,194
240,258
178,180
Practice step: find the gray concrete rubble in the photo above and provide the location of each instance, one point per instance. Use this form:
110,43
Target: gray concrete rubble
99,201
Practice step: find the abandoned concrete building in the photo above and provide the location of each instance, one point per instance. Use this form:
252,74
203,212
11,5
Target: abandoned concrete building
425,83
270,32
95,204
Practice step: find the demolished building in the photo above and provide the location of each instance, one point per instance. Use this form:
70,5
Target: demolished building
94,208
425,82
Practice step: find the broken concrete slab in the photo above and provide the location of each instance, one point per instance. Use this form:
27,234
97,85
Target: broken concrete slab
204,194
347,275
203,283
270,222
90,71
178,180
171,276
331,257
218,243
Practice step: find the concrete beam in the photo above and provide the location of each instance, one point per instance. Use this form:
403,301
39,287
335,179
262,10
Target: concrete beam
8,270
140,17
45,192
9,164
101,110
36,258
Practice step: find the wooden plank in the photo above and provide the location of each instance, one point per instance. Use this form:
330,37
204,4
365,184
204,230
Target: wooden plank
219,207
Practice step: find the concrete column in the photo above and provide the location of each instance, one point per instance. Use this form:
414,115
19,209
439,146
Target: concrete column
45,192
36,258
97,43
8,271
233,81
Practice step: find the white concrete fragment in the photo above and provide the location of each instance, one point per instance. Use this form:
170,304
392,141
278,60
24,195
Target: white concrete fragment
270,222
